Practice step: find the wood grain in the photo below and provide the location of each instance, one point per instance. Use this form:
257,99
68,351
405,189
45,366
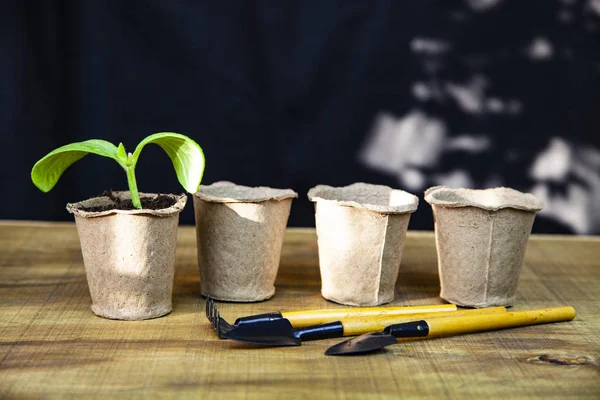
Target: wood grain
52,346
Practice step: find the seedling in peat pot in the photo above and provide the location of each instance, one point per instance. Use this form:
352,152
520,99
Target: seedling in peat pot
128,251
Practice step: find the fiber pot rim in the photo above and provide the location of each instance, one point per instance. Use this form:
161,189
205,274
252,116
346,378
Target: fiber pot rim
492,199
229,192
77,208
347,196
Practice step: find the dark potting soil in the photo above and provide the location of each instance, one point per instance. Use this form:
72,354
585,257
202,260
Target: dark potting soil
157,203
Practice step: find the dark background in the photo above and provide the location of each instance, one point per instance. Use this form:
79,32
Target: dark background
285,93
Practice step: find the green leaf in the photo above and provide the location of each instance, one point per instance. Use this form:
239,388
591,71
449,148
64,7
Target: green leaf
185,154
48,170
121,153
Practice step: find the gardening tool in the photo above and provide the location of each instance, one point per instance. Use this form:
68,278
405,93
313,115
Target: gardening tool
299,319
281,333
448,325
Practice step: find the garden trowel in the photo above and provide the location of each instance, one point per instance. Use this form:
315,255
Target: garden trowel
449,325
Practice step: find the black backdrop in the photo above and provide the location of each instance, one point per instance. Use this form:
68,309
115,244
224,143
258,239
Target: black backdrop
281,93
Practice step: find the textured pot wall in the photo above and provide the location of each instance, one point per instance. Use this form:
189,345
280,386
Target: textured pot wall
480,253
129,262
239,247
359,253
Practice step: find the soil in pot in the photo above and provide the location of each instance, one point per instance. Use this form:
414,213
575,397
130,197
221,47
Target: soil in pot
157,202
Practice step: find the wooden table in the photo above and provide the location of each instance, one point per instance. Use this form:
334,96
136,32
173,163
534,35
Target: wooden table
51,345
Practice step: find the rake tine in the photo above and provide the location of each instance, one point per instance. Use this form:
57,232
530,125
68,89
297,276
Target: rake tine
213,314
210,312
216,318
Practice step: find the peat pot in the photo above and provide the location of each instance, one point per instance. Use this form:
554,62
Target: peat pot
129,255
481,237
361,231
239,231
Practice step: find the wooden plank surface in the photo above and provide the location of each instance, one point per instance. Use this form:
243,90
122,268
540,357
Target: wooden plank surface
52,346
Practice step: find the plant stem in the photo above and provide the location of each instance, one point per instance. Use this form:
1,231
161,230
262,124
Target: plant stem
133,190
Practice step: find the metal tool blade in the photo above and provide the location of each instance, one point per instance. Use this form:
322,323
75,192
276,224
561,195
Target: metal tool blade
282,333
366,343
274,333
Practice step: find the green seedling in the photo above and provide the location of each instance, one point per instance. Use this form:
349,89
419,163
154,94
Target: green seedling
186,155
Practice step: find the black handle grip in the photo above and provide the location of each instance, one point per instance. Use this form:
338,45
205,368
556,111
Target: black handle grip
320,331
268,317
408,329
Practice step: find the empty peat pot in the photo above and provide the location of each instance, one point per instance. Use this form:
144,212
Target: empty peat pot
129,255
239,232
481,237
361,231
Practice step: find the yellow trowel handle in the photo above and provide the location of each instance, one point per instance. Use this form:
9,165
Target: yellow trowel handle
476,323
359,325
300,319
